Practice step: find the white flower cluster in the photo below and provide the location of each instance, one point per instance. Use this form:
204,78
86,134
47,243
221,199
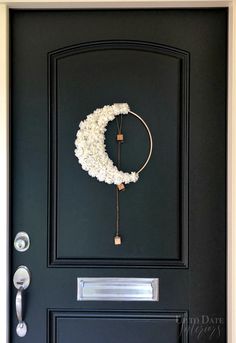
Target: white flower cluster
91,149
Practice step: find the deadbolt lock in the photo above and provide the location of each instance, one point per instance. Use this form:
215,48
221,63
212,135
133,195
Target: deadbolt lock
22,241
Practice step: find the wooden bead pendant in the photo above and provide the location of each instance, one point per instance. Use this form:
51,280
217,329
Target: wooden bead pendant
120,137
121,187
117,240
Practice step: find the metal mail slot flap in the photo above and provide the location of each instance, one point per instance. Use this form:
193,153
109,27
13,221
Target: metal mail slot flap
122,289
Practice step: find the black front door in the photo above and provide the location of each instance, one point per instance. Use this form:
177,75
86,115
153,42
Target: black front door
170,67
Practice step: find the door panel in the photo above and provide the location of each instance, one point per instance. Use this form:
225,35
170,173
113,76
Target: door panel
114,327
170,66
74,195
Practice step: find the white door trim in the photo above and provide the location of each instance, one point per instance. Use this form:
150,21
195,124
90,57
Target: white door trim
4,171
4,141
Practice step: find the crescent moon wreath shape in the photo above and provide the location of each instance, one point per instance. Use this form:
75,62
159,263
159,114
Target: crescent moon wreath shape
91,148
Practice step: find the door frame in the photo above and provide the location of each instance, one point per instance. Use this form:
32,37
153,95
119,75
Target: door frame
5,6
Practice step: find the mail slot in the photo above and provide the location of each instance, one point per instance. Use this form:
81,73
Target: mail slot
121,289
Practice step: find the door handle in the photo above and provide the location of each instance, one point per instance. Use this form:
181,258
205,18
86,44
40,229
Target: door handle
21,328
21,280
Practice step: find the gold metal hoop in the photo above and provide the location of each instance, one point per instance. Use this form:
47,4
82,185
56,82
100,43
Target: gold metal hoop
150,140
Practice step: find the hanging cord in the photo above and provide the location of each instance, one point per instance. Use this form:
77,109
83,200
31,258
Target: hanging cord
119,125
117,238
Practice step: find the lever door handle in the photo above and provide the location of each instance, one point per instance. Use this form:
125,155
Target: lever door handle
21,328
21,282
